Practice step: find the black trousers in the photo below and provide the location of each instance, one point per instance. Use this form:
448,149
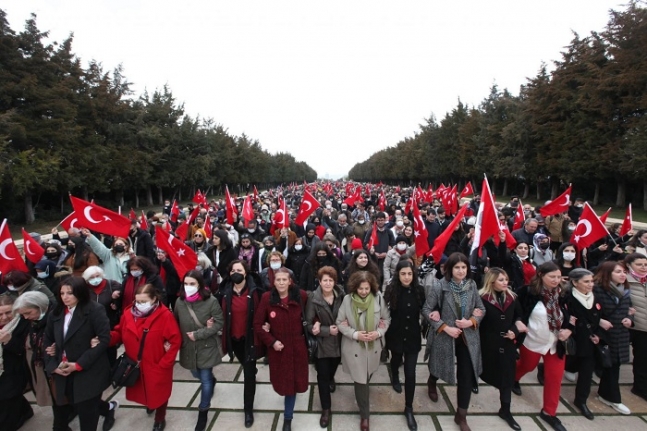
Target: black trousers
609,388
14,412
249,374
639,342
584,366
464,374
88,412
326,369
410,360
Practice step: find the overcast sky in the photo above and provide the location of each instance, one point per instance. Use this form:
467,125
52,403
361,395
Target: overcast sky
331,82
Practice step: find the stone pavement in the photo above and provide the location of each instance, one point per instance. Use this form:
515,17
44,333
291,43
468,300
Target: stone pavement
386,406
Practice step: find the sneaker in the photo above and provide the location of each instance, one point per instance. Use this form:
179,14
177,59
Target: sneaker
571,377
619,407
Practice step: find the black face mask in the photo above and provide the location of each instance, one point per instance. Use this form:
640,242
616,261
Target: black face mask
237,277
269,247
321,258
51,256
544,246
120,248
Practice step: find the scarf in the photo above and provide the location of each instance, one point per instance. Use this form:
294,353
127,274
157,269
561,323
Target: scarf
550,298
139,315
640,279
499,299
585,299
98,289
424,269
130,287
7,329
246,254
618,291
193,297
459,292
359,306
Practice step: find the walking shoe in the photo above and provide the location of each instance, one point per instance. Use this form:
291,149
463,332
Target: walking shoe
571,377
552,421
109,420
411,420
582,407
619,407
516,388
159,426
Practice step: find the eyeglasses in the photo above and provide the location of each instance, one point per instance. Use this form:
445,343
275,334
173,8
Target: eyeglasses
197,236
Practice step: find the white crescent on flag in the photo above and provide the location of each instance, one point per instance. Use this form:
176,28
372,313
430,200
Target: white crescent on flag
86,212
587,226
3,246
309,205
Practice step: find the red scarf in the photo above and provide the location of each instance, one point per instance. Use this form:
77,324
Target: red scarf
130,287
641,280
98,289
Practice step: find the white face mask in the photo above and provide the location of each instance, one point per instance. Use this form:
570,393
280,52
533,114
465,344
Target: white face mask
41,275
569,256
298,247
11,287
328,207
399,223
95,281
401,246
136,273
190,290
275,265
361,221
144,307
522,257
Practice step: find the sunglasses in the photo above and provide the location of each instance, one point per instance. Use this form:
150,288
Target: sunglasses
197,236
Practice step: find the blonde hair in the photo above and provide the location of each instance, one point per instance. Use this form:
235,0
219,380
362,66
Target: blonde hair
490,278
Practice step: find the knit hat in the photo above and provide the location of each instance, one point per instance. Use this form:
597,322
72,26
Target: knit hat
401,238
356,244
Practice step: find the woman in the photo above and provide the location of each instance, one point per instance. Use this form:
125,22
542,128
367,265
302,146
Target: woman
455,334
200,319
297,256
517,263
147,314
15,410
584,310
542,252
565,259
141,271
637,279
19,282
221,253
405,298
239,300
113,260
207,270
499,330
363,320
248,252
361,261
78,372
276,260
393,257
283,308
638,243
54,252
612,291
409,235
320,256
546,323
321,315
79,255
46,272
199,242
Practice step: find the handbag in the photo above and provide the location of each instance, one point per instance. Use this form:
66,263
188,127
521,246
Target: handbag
126,372
312,344
570,346
603,355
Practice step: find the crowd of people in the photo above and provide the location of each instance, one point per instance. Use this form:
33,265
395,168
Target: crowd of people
345,288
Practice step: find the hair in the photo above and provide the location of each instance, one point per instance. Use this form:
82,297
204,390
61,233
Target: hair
275,253
358,278
394,288
234,262
142,262
124,240
453,260
632,257
32,300
269,238
530,220
635,240
603,273
490,278
204,261
578,273
330,237
7,300
329,271
17,278
79,290
149,290
284,270
536,285
225,241
197,275
559,256
370,266
81,252
58,248
314,262
92,270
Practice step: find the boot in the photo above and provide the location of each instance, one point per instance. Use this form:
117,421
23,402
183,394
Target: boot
431,389
411,421
460,418
325,418
506,415
287,425
363,425
201,425
249,418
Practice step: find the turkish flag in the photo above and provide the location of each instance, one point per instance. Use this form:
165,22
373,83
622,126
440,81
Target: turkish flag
10,258
519,217
442,240
356,197
232,212
419,231
132,215
183,258
559,205
487,219
308,205
605,216
589,228
175,211
510,242
626,223
70,221
207,229
467,190
33,251
374,239
255,193
100,219
199,198
182,231
143,222
454,200
381,203
193,215
247,212
283,209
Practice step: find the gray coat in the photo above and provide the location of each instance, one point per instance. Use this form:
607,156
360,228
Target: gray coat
318,310
356,359
206,351
442,357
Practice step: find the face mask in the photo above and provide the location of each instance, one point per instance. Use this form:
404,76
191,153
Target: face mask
268,247
51,256
569,256
146,306
328,207
198,268
11,287
298,247
401,246
95,281
579,205
251,230
190,290
275,265
544,246
237,277
361,221
399,223
522,257
321,258
571,228
41,274
136,273
120,248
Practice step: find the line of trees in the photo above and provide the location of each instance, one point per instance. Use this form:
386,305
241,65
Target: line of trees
68,128
584,123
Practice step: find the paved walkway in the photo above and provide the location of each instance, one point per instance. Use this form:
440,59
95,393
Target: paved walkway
386,406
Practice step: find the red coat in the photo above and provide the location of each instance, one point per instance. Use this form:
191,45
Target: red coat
154,387
289,367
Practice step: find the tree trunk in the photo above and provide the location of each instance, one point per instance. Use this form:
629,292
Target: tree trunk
596,195
554,190
645,195
84,193
493,186
136,198
63,196
538,191
160,195
179,194
526,191
505,188
29,209
621,193
149,196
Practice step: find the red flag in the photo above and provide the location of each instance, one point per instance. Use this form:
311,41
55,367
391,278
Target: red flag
374,239
193,215
143,222
454,200
280,220
559,205
519,217
248,212
419,231
605,216
308,205
70,221
132,215
231,207
100,219
255,193
349,188
175,211
510,242
381,203
207,229
626,223
441,242
487,220
183,258
589,228
199,198
10,258
33,251
182,231
397,189
467,190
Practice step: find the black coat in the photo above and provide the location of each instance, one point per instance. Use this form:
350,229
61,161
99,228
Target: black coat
296,260
587,324
13,380
142,244
614,309
308,280
512,266
499,354
88,321
403,334
226,257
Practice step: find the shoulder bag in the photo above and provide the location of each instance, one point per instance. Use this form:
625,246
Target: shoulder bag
126,372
